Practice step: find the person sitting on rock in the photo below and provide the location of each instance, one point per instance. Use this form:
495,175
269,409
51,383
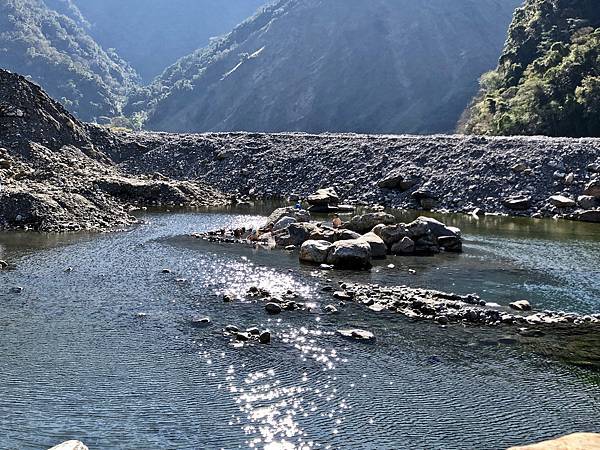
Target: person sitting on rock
336,221
298,205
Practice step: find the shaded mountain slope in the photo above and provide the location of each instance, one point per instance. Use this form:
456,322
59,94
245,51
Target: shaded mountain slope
351,65
55,51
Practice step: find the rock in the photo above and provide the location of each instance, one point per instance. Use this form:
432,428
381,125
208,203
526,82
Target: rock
295,234
587,201
253,331
16,290
284,222
342,295
451,244
315,251
345,235
352,254
200,321
425,225
594,168
264,337
517,203
232,329
301,215
378,247
330,309
357,334
592,215
323,197
366,222
576,441
405,247
521,305
560,201
70,445
166,271
569,178
290,248
593,188
519,167
390,234
3,265
273,308
396,180
5,164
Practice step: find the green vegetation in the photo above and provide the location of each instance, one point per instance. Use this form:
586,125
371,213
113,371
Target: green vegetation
54,50
548,78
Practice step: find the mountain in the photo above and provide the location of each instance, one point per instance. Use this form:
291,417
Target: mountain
548,78
374,66
153,34
53,49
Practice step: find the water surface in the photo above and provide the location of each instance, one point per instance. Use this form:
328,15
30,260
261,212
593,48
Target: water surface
105,353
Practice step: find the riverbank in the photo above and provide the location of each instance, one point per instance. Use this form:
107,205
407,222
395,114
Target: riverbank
57,173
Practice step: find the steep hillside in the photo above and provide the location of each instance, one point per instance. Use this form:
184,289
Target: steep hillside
336,65
153,34
548,78
54,50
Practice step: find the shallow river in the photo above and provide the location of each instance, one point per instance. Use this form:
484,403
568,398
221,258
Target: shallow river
78,359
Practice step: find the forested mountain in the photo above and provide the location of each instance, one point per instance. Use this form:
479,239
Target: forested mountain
548,78
153,34
335,65
53,49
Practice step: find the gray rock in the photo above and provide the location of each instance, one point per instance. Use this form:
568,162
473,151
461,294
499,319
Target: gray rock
295,234
301,215
587,201
330,309
284,222
521,305
366,222
273,308
517,203
406,246
592,215
378,247
352,254
396,180
324,197
200,321
315,251
70,445
357,335
593,188
560,201
450,243
344,235
391,233
3,265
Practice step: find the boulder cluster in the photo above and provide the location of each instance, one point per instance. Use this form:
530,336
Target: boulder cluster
352,245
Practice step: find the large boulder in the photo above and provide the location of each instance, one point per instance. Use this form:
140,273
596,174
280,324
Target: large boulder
592,215
301,215
315,252
353,254
70,445
391,233
324,197
283,223
517,203
345,235
576,441
295,234
560,201
366,222
593,188
423,225
406,246
378,247
587,201
397,180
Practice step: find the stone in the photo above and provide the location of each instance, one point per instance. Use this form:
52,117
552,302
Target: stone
315,252
284,222
232,329
5,164
396,180
3,265
570,178
519,167
70,445
587,201
378,247
594,168
352,254
592,215
576,441
342,295
295,234
345,235
323,197
560,201
425,225
330,309
264,337
366,222
521,305
301,215
357,334
273,308
451,244
405,247
390,234
517,203
200,321
593,188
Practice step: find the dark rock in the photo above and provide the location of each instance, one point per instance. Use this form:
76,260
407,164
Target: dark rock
592,215
518,203
396,180
264,337
315,252
366,222
273,308
593,188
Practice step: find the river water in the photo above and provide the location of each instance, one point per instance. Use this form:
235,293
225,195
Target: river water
106,353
